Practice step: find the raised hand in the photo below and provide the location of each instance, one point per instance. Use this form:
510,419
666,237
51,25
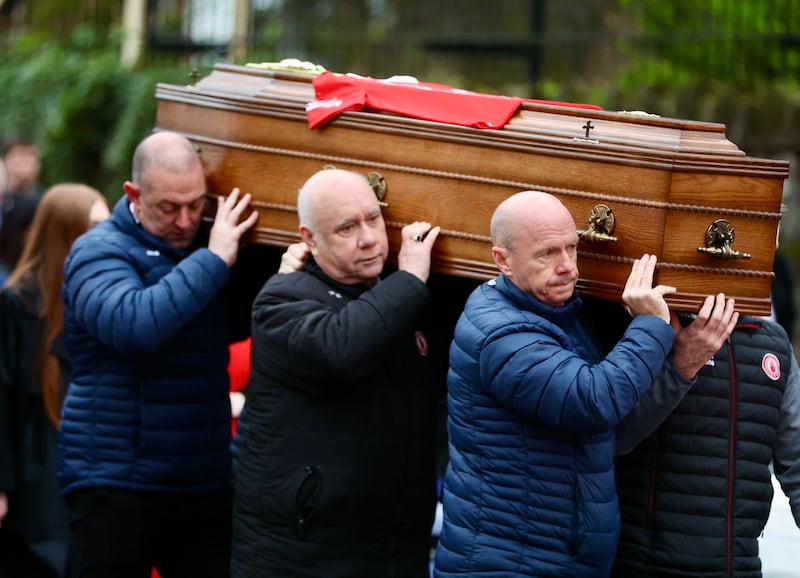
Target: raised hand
415,251
227,231
639,296
294,258
696,343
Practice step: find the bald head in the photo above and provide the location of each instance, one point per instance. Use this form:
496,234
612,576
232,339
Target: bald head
325,188
168,188
342,224
167,150
533,210
535,245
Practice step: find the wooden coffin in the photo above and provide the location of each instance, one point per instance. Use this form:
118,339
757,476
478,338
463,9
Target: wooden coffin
634,183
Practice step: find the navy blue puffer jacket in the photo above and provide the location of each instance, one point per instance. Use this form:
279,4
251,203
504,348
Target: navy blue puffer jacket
147,408
529,490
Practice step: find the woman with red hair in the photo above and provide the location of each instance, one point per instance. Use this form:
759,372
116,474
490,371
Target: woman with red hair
34,368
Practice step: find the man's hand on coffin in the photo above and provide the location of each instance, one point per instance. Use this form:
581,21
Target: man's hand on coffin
639,296
294,258
415,250
696,343
228,227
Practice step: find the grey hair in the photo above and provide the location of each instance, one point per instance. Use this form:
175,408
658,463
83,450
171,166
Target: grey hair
305,212
502,228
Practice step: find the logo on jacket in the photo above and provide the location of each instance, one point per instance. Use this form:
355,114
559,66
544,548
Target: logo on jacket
336,294
771,366
152,253
422,343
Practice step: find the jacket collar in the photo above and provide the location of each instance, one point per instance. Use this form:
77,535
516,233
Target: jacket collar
352,290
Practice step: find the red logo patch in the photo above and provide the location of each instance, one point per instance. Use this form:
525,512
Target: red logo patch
771,366
422,343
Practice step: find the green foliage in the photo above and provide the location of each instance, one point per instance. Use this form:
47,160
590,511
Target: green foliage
87,113
75,101
745,43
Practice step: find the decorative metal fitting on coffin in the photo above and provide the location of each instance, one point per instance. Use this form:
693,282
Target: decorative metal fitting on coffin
376,181
378,184
587,127
719,241
601,225
194,76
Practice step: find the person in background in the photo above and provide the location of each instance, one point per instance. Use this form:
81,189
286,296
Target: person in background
336,473
22,167
144,444
3,177
533,404
34,372
695,494
3,267
21,193
695,477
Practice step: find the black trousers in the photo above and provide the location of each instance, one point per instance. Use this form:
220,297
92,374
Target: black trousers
18,561
120,534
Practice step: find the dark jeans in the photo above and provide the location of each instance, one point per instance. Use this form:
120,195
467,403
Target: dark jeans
126,534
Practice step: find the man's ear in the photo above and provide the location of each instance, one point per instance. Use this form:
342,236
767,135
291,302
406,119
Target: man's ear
307,236
500,256
131,191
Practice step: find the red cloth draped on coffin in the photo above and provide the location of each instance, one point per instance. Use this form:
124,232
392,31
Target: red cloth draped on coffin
338,93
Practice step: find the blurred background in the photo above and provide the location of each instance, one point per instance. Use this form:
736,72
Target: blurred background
78,76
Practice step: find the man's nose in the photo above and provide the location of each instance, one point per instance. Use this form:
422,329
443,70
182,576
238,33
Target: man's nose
366,235
566,262
184,218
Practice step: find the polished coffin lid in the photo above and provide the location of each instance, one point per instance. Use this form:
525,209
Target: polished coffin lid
634,183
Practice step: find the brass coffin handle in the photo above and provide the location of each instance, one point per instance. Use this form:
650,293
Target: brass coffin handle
377,182
601,225
719,241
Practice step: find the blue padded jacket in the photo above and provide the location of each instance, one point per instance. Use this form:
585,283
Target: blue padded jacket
147,408
532,405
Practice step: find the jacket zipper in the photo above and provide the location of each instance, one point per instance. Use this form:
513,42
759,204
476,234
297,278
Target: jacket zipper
303,517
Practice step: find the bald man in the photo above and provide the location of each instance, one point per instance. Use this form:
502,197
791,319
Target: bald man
144,459
533,403
336,471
